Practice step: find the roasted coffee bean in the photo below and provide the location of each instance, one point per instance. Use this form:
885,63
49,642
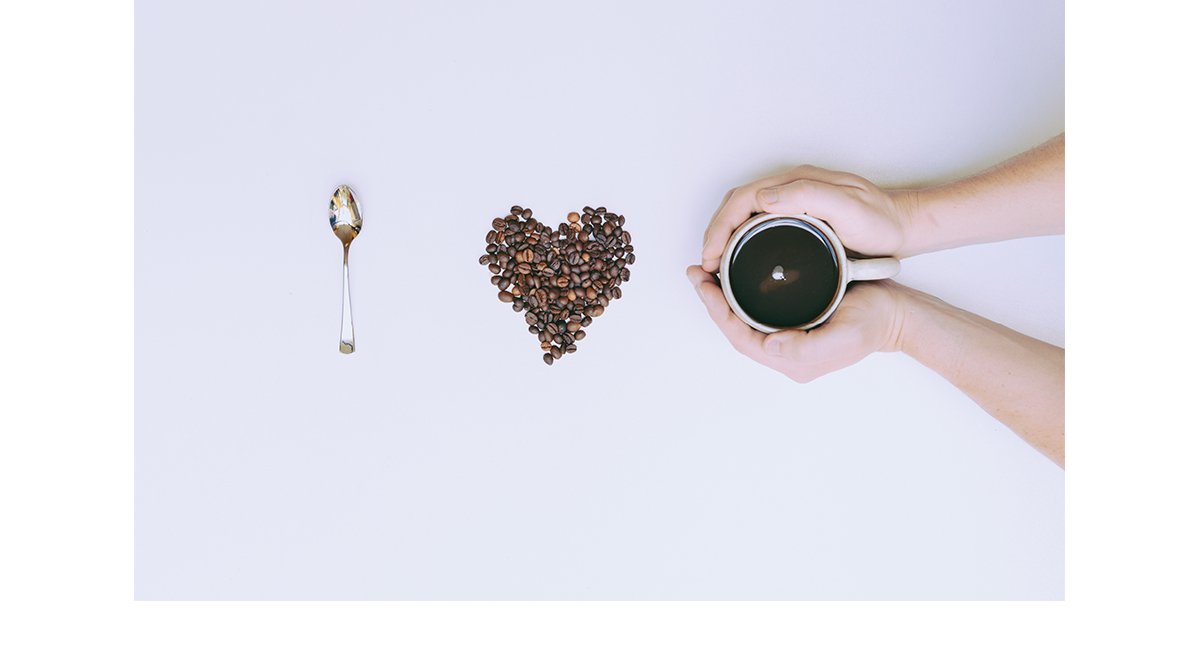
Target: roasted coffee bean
496,280
497,224
579,335
548,358
571,347
504,282
573,217
505,296
494,268
587,320
556,352
486,259
515,211
524,268
491,237
526,213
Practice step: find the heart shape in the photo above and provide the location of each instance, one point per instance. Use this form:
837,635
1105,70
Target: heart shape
563,278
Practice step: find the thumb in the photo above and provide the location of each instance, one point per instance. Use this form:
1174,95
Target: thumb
819,344
817,199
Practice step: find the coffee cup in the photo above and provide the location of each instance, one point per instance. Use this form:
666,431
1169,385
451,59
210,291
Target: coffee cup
791,272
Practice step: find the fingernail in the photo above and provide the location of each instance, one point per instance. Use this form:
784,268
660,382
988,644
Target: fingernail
773,346
769,195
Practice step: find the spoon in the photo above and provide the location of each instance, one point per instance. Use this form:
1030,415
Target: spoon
346,221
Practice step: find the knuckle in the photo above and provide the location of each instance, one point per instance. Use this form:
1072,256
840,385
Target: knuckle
801,377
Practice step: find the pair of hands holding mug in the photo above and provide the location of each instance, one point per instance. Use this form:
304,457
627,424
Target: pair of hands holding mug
1017,379
869,221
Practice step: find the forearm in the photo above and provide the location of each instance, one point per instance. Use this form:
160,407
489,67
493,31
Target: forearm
1019,380
1021,197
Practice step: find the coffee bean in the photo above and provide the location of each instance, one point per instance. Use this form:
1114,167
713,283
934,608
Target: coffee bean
506,296
524,268
497,224
485,259
526,213
515,211
556,352
571,347
579,335
518,306
548,358
494,268
504,282
496,280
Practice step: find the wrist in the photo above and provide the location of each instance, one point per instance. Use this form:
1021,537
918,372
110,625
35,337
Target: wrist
908,318
914,209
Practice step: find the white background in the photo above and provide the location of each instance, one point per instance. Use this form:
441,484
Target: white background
270,466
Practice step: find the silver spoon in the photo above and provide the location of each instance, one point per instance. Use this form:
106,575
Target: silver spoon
346,221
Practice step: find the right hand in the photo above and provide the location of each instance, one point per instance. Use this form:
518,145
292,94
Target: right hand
869,220
869,320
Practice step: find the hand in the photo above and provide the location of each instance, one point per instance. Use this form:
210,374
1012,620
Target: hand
869,319
868,220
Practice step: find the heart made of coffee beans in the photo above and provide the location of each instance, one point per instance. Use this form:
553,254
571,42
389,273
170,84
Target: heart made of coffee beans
562,278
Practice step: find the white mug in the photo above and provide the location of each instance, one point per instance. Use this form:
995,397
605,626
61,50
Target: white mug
848,270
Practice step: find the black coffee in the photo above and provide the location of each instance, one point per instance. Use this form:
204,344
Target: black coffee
784,275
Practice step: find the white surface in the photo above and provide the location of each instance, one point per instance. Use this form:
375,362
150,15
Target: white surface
703,475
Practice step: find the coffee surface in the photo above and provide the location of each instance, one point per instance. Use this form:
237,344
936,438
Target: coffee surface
784,276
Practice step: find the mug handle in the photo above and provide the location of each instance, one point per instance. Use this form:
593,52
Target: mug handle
878,268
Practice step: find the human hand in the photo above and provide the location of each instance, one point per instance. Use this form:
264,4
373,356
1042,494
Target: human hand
869,220
869,319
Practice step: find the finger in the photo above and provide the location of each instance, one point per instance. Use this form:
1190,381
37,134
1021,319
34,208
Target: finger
824,346
736,210
830,176
744,339
815,198
708,228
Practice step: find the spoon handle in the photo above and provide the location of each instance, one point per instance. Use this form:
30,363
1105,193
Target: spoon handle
347,344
